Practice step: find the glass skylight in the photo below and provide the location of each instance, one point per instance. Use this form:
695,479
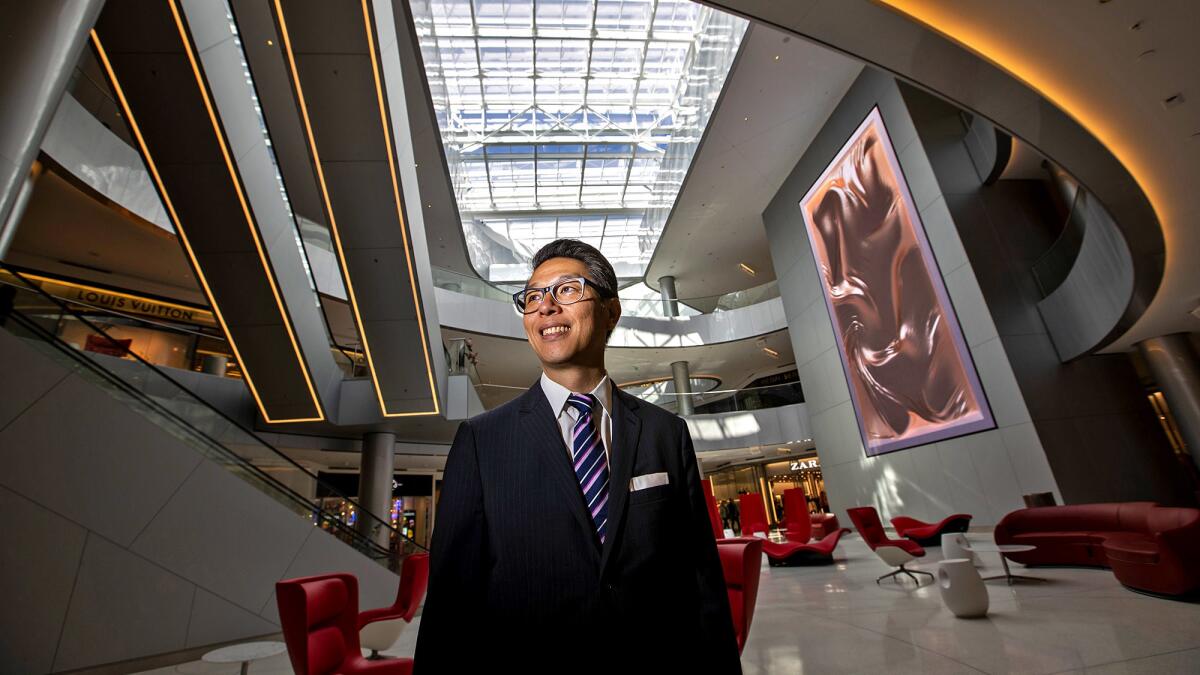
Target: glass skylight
571,118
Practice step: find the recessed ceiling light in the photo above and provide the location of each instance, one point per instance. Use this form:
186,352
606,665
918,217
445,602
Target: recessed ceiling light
270,43
771,352
747,269
776,57
746,118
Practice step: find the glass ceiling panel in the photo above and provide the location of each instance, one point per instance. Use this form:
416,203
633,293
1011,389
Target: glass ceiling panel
571,118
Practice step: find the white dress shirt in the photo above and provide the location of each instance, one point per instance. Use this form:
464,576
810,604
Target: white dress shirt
567,415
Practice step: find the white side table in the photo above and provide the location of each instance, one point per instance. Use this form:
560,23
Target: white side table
961,588
1002,549
956,545
245,653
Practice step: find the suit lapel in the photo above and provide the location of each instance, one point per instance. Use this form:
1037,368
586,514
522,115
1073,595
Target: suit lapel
545,436
627,428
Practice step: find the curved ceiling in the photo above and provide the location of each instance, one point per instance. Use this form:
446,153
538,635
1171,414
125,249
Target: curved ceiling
779,94
1123,71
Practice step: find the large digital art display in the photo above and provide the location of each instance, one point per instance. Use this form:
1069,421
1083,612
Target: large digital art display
910,376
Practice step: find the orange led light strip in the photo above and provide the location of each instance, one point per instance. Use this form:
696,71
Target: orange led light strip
337,240
167,202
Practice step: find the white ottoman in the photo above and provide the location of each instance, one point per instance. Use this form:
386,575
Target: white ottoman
963,591
955,545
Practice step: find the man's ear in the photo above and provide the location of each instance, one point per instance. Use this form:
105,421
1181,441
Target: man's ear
614,313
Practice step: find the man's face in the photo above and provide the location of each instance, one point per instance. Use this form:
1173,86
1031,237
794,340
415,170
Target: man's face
572,334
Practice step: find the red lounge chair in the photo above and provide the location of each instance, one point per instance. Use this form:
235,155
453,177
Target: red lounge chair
823,524
319,617
796,520
753,514
793,554
378,629
741,560
714,515
894,552
930,534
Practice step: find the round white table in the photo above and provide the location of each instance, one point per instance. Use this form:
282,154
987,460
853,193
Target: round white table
244,653
983,547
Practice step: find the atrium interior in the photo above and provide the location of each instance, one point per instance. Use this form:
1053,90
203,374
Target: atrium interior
916,275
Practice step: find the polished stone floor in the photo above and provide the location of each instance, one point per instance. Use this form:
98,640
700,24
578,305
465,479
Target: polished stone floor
837,620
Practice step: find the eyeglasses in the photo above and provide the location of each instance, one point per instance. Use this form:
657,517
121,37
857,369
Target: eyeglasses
565,292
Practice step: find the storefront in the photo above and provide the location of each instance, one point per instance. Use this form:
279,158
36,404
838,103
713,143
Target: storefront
411,512
772,479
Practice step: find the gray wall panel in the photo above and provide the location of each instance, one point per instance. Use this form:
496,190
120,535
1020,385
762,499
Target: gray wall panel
214,620
122,607
212,525
81,453
36,590
35,373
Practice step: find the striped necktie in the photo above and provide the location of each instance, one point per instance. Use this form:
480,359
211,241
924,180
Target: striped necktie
591,466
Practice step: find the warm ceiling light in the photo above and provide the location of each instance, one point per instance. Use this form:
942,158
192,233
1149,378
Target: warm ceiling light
776,57
270,43
771,352
747,269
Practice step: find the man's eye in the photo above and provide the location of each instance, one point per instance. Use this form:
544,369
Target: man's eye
533,298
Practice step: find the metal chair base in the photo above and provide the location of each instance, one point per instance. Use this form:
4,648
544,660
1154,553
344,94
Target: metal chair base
902,570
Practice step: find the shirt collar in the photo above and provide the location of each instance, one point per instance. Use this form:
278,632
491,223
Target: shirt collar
556,394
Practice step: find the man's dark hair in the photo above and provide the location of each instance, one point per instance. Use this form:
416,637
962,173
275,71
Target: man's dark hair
600,271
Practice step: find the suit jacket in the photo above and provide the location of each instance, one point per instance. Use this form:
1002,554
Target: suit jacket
518,576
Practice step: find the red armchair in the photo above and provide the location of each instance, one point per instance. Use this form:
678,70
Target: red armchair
894,552
378,629
795,554
796,519
753,514
741,561
319,617
930,534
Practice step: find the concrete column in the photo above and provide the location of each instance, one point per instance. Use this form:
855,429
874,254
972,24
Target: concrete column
214,364
670,300
1176,368
42,42
375,483
683,388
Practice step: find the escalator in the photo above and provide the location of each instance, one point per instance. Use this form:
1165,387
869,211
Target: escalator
170,518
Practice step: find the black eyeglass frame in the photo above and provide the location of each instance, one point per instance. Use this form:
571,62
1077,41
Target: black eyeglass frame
518,298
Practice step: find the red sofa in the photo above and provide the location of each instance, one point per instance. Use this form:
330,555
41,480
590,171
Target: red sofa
1148,547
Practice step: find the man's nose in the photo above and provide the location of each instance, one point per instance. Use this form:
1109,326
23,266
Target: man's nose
548,305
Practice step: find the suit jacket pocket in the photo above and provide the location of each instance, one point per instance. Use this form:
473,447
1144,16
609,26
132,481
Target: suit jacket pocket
649,495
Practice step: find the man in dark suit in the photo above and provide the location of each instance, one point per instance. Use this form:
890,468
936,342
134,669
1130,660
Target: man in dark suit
572,533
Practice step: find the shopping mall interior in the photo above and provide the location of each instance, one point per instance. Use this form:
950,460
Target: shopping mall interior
917,276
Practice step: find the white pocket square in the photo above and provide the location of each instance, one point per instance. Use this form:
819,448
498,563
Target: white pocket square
648,481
